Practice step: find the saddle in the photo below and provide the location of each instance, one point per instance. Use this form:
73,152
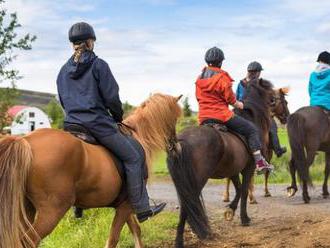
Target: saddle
83,134
221,128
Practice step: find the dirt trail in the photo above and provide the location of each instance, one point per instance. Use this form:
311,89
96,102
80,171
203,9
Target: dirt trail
277,221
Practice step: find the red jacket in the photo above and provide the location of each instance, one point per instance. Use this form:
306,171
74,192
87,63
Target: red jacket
214,94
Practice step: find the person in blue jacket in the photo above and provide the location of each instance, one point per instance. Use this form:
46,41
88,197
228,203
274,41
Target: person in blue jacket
89,95
253,72
319,82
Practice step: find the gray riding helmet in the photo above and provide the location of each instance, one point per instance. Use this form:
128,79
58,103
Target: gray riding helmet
81,31
254,66
214,56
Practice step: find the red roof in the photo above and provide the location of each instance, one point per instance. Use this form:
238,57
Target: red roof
13,111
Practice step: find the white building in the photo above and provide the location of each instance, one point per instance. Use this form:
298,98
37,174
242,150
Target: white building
27,119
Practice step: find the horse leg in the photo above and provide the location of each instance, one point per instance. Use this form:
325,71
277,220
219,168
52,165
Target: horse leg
247,174
230,212
311,152
135,230
267,193
325,192
291,190
252,198
180,230
46,219
226,193
121,217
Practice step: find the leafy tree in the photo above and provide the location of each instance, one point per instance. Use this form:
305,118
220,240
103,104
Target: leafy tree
55,113
127,108
186,108
10,42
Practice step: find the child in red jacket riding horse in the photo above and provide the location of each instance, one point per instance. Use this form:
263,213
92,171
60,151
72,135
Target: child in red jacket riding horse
214,95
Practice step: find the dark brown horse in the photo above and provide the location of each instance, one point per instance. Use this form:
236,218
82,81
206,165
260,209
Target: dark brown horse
281,112
309,132
203,152
46,172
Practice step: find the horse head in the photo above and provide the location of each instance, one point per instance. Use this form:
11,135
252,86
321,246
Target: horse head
280,105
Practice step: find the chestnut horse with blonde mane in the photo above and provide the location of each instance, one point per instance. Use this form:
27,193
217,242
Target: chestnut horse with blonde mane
47,171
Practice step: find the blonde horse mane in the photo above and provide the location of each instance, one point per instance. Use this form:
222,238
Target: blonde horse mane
154,123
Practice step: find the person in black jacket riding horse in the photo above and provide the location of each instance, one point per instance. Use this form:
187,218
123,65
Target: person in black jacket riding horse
89,94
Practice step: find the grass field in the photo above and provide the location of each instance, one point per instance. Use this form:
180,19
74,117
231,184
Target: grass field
281,174
92,230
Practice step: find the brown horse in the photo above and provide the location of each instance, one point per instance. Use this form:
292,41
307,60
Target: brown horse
46,172
203,152
279,110
309,132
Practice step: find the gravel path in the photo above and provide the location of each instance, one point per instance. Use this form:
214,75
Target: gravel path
277,221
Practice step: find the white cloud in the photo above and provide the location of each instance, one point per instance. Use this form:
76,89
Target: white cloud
168,57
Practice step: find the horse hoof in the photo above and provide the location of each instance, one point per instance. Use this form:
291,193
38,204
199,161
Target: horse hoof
246,222
267,194
291,192
253,202
325,195
225,200
229,214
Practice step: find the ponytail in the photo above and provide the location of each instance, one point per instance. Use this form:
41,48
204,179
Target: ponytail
80,48
78,51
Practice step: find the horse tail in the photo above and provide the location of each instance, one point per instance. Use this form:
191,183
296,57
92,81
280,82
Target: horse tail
15,162
180,165
297,140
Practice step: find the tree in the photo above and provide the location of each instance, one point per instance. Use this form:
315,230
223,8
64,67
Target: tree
10,42
55,113
186,108
127,108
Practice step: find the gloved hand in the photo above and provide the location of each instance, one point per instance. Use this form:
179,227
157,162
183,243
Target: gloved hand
238,104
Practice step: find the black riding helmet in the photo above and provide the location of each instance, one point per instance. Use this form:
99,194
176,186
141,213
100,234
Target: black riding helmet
324,57
214,56
254,66
81,31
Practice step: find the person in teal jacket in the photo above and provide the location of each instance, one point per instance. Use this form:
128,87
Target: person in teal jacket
319,82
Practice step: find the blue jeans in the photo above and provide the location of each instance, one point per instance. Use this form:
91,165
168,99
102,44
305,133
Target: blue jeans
131,153
274,137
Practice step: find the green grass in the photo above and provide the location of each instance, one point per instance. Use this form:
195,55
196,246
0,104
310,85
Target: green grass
92,230
281,174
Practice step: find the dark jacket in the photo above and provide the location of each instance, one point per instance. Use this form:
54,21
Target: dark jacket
88,92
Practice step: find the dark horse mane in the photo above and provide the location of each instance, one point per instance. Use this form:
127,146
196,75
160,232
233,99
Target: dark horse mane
258,97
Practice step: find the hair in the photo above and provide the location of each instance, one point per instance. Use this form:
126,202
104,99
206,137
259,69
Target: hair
80,48
15,162
154,123
258,97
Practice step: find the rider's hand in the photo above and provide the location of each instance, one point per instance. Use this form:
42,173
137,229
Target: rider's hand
239,105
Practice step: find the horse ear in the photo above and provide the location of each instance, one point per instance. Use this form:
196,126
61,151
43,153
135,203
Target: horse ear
178,98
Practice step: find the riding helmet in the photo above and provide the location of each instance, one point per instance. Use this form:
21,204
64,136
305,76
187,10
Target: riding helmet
324,57
254,66
214,56
81,31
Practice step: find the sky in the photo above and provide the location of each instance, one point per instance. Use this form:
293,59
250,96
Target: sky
159,45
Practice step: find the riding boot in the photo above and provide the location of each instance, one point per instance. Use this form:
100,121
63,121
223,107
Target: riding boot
78,212
279,151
